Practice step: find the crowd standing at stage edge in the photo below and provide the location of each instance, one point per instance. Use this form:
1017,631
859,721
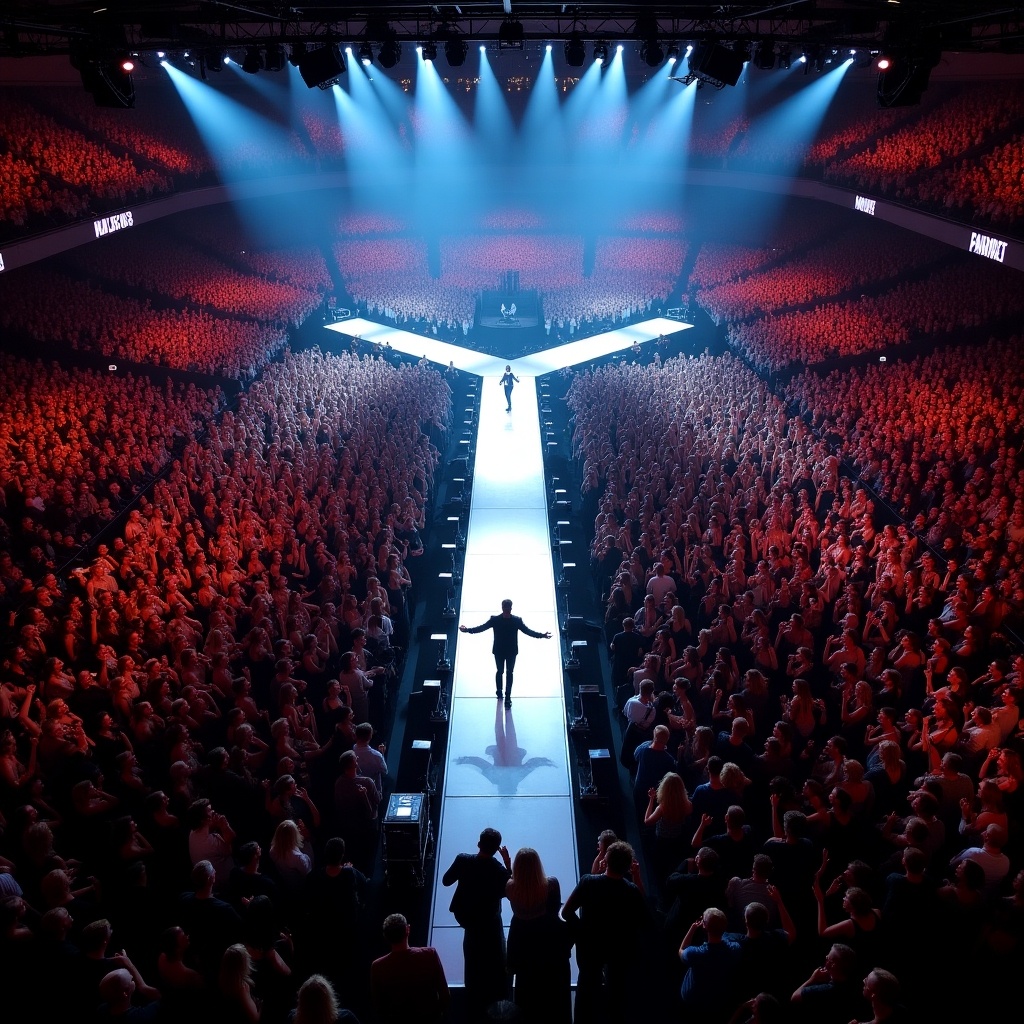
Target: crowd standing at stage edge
820,707
190,785
820,702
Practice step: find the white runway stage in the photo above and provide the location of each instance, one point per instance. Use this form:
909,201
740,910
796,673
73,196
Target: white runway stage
506,769
539,363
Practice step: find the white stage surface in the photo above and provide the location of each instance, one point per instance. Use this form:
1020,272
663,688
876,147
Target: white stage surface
507,768
569,354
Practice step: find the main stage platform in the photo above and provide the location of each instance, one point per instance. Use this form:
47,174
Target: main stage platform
466,358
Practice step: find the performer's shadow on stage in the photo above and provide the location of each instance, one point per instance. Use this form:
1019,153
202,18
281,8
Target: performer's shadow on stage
508,765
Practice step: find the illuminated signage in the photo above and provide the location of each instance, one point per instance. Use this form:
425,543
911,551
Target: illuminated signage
115,222
986,245
864,205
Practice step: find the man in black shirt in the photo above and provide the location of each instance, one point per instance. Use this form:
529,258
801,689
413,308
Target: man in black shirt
625,647
476,905
609,914
507,628
832,994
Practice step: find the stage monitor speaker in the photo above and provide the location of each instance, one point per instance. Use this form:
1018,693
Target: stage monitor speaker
718,62
322,65
405,827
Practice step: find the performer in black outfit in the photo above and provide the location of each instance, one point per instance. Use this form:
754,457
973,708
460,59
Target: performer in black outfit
507,628
508,382
476,905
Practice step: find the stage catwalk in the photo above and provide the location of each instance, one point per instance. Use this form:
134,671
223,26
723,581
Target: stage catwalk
507,768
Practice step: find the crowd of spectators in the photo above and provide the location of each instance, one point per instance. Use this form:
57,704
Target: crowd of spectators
968,294
851,128
544,261
187,726
69,158
512,219
174,269
821,710
300,264
631,275
919,432
652,222
988,186
712,139
719,262
389,277
171,144
25,193
44,305
960,124
360,223
325,134
76,446
865,255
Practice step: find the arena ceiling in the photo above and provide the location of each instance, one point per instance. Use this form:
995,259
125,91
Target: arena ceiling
33,27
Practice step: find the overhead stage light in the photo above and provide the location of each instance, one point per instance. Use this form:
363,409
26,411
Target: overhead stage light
107,81
428,51
510,35
275,57
651,53
575,51
785,56
455,50
390,52
366,54
601,53
904,75
252,63
764,55
673,53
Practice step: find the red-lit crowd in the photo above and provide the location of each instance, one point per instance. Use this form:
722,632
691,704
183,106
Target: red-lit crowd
47,306
957,126
850,260
965,295
189,781
820,702
183,272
